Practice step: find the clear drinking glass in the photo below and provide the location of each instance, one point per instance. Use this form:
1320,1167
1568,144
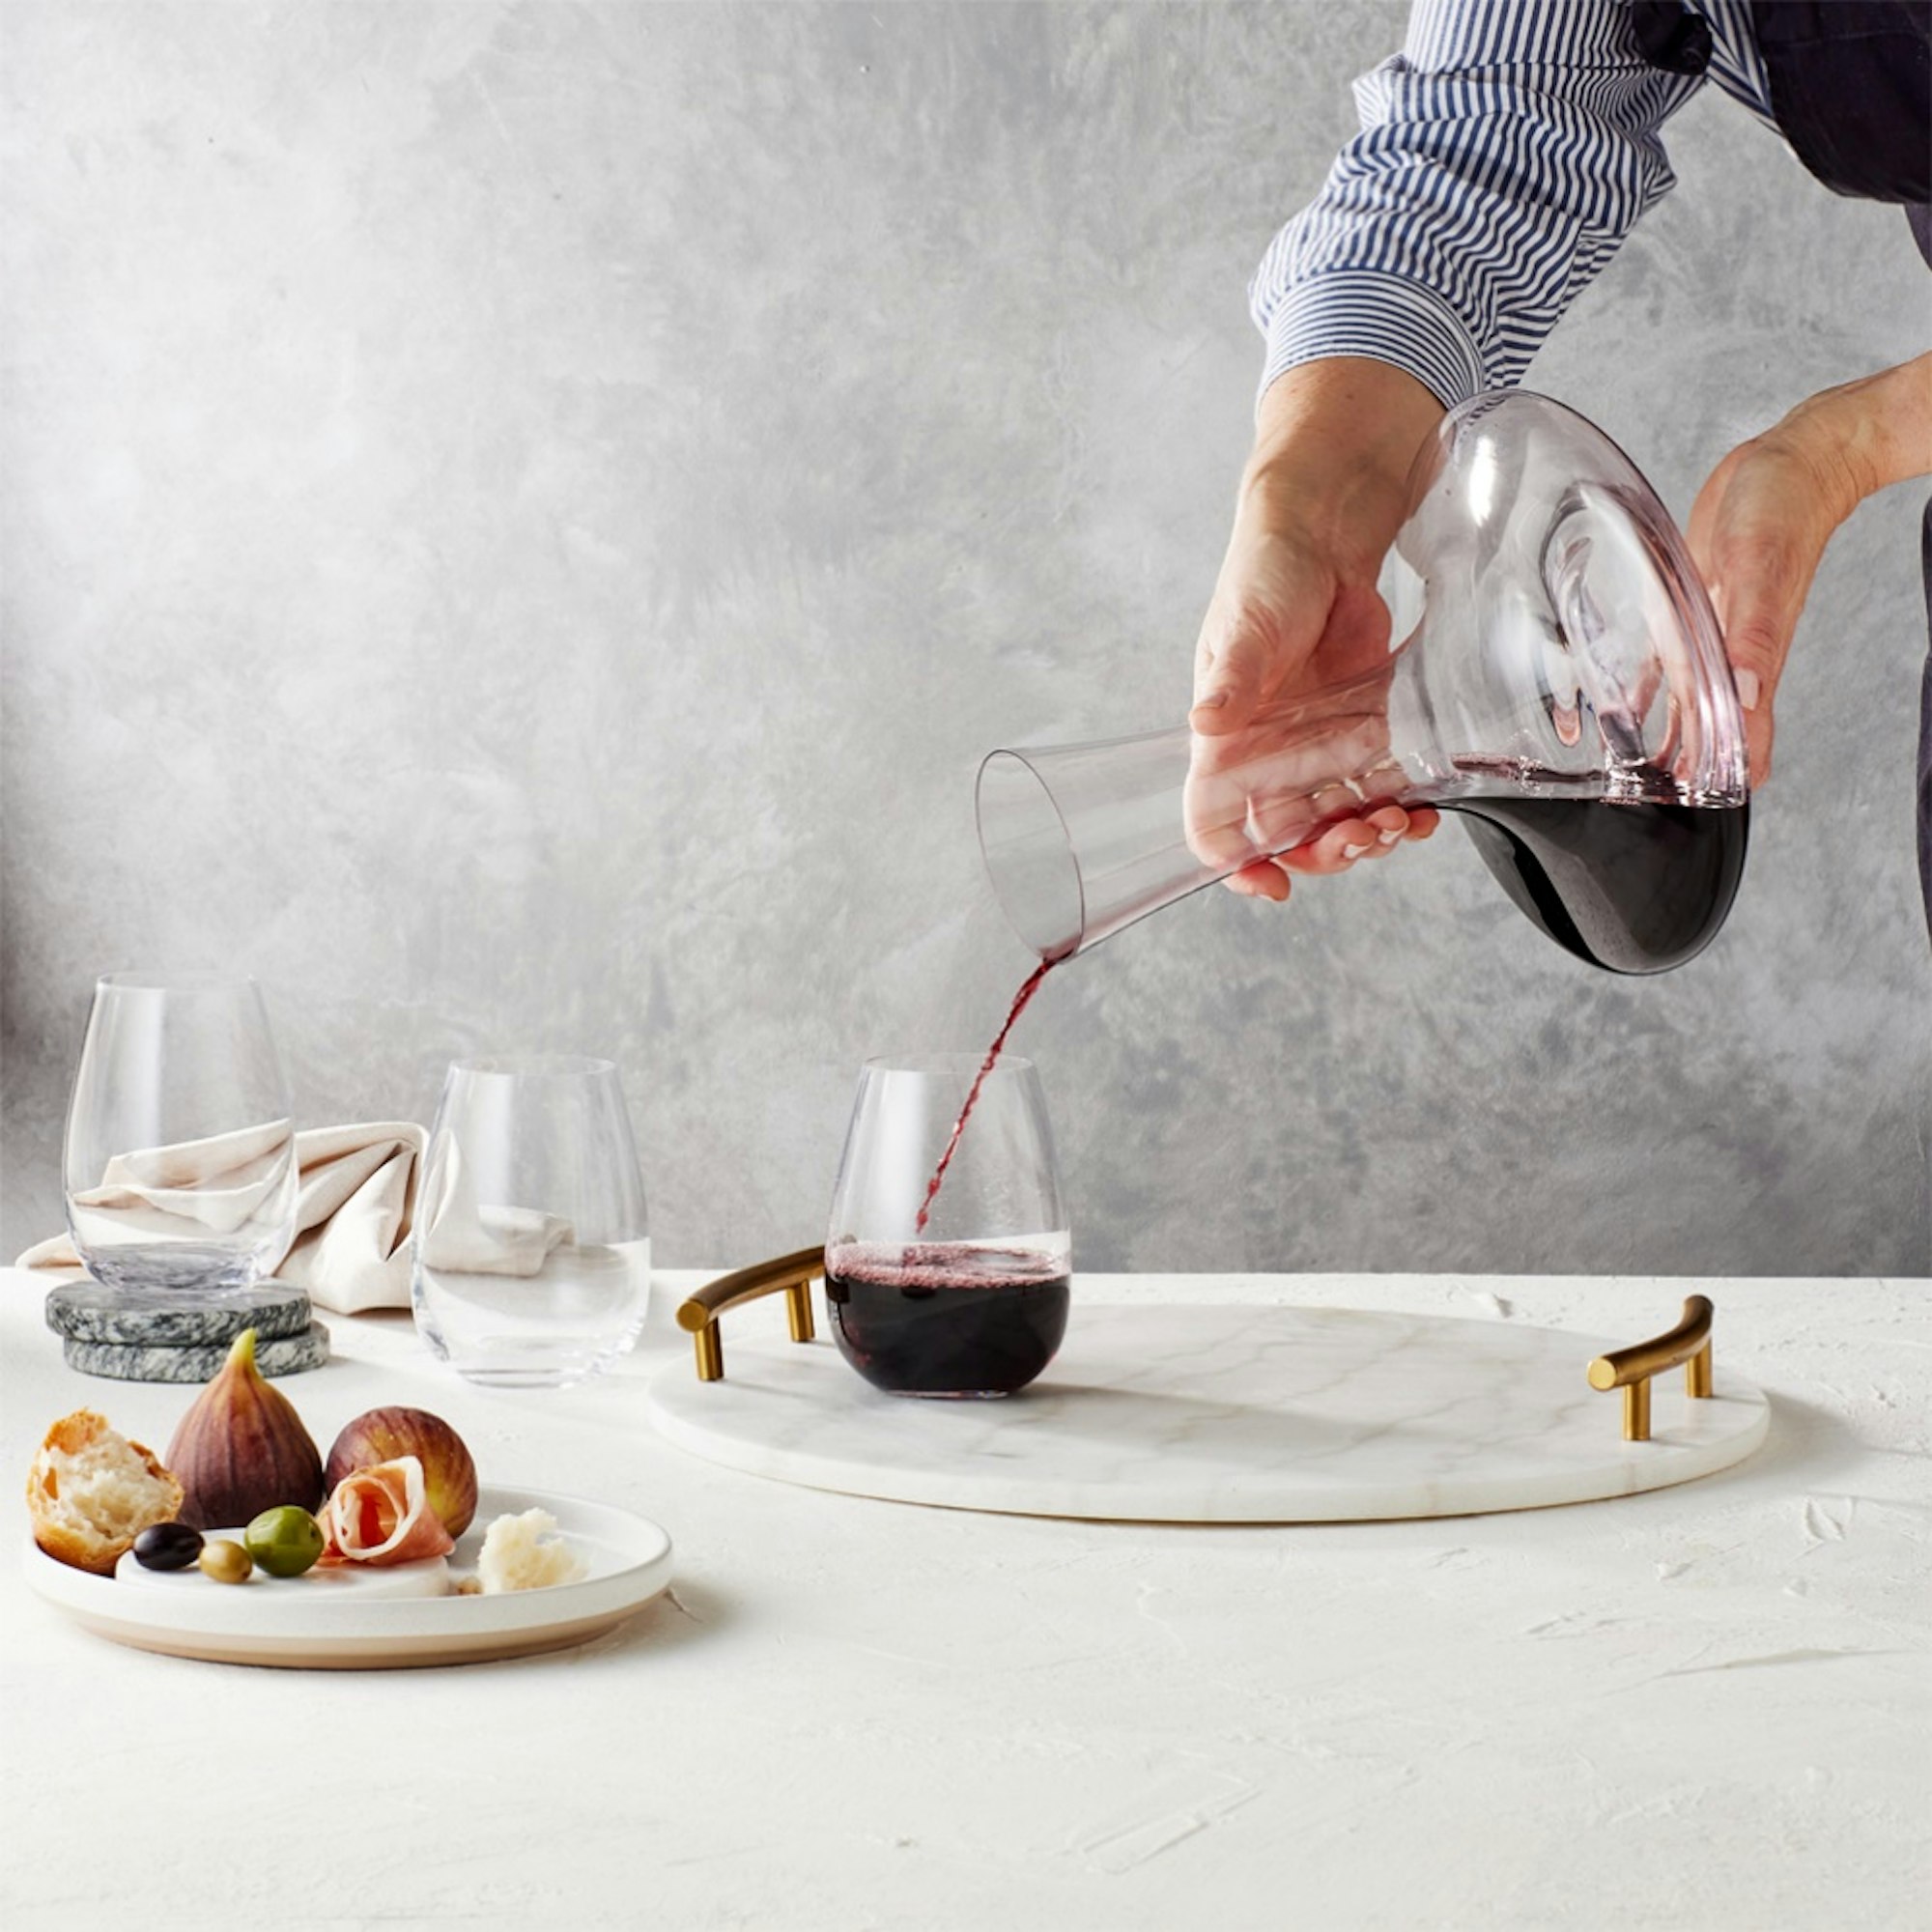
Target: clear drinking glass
179,1172
531,1255
948,1255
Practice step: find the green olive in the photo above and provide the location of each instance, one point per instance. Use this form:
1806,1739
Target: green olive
226,1562
284,1542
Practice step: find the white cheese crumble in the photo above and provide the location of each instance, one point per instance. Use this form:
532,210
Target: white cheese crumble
525,1552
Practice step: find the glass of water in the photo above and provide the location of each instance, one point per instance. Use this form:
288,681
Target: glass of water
180,1169
531,1255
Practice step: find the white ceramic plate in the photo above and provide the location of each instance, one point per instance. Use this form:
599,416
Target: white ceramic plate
365,1620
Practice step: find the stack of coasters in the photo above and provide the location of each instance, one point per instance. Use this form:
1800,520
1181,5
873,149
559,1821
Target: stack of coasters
152,1338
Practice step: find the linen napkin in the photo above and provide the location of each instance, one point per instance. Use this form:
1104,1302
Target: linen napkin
216,1183
463,1237
355,1199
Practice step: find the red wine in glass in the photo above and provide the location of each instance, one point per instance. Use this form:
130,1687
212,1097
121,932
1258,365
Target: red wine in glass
946,1318
978,1307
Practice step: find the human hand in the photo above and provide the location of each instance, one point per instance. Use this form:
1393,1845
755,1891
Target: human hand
1762,521
1296,611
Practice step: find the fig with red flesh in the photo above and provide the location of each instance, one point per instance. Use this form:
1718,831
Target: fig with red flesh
382,1434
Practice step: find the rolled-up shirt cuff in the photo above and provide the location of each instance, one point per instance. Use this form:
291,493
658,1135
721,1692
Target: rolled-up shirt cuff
1364,312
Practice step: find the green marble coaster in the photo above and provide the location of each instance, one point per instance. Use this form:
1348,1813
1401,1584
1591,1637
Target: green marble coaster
89,1311
147,1362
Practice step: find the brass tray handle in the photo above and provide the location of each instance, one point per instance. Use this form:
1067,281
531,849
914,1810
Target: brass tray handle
1631,1369
790,1275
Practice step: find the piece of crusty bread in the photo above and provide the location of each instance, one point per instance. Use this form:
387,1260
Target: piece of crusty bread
92,1492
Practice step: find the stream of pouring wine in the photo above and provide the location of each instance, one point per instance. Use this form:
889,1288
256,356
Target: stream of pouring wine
1028,988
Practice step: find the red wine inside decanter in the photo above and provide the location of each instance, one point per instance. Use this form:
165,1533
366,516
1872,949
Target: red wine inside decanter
1637,888
944,1318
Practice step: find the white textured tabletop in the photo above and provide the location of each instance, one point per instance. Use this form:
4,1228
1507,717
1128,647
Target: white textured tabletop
1703,1707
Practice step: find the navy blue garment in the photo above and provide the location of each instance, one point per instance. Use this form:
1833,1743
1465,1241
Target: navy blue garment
1851,84
1925,733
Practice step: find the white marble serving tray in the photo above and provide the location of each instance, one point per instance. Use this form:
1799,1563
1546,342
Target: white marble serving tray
1225,1415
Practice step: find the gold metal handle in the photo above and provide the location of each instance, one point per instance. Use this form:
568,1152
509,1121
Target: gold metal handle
790,1275
1631,1369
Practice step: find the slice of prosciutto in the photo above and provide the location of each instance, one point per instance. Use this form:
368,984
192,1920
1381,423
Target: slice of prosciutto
381,1515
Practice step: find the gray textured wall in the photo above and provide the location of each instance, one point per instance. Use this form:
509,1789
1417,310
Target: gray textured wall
519,522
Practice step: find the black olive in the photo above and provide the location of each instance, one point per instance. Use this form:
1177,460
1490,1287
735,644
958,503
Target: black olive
167,1546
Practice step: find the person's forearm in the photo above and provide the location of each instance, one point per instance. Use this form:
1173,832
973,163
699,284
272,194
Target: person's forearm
1763,519
1321,499
1865,436
1334,443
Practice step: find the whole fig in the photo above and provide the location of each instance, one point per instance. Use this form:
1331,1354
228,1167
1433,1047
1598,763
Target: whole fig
382,1435
241,1448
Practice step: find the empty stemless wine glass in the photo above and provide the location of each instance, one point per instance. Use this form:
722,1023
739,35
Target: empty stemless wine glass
947,1256
532,1256
180,1173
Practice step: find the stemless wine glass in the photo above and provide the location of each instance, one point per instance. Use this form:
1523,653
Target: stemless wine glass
179,1172
532,1256
947,1256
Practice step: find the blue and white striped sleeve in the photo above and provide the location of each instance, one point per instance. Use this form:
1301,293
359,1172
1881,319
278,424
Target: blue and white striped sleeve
1504,155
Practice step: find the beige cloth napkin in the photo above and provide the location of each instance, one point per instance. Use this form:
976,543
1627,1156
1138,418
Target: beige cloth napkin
355,1197
218,1183
463,1237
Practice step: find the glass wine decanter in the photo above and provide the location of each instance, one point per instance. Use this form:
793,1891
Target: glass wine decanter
1559,683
